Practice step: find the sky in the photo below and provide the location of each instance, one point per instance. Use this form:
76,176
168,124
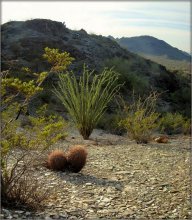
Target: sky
165,20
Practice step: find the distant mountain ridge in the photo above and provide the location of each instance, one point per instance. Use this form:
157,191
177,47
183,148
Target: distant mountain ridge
148,45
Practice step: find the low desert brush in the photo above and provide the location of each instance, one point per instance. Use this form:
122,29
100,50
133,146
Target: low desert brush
174,123
141,118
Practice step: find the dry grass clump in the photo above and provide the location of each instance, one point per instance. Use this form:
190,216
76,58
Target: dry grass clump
76,157
19,187
24,192
57,160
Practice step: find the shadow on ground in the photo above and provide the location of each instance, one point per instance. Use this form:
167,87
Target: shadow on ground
85,179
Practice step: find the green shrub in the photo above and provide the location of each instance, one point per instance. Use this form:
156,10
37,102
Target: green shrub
130,74
86,100
141,118
174,123
181,97
39,133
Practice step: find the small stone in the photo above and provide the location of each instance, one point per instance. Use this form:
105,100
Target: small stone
88,184
165,189
19,212
112,168
103,211
106,200
123,172
150,202
92,216
59,206
55,216
6,211
128,189
165,184
128,212
72,218
28,213
118,187
48,218
174,191
109,190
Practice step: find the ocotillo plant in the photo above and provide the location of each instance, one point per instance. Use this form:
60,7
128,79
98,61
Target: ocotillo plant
86,100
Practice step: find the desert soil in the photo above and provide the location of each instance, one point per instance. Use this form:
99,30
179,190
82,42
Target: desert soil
121,180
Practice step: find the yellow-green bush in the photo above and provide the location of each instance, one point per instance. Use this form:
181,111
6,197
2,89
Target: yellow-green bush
42,131
139,126
141,119
174,123
59,61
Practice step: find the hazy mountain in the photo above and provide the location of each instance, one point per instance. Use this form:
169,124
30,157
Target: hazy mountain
148,45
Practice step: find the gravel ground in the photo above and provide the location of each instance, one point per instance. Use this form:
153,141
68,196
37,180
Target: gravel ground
121,180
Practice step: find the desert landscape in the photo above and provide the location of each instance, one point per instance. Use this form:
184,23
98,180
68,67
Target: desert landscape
95,110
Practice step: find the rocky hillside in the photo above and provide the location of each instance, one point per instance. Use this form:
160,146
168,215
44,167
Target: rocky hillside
23,44
149,45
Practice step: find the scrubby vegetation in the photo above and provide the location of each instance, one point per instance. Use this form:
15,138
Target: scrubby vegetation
141,118
40,132
170,63
147,76
132,75
20,190
181,98
174,123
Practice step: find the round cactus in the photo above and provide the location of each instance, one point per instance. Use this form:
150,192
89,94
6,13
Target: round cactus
76,157
57,160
